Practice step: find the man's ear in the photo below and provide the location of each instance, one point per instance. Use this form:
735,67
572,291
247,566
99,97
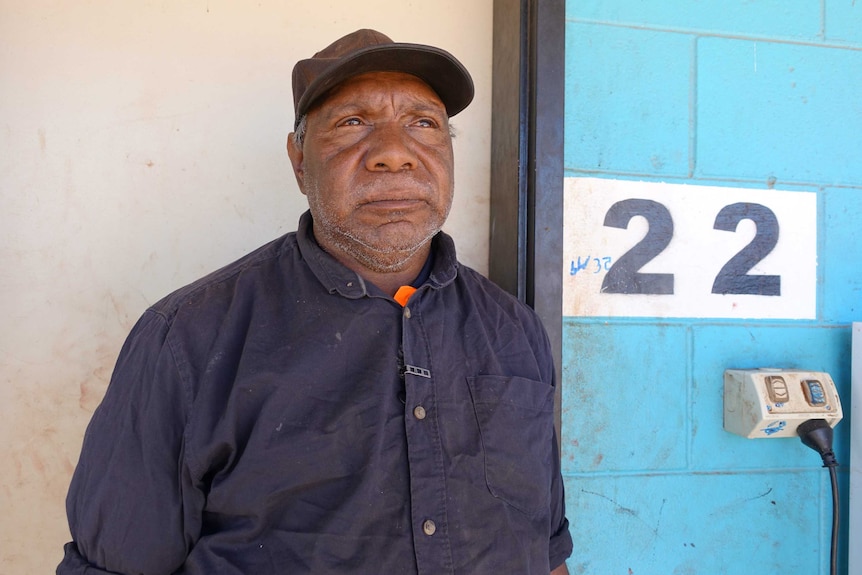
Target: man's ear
294,152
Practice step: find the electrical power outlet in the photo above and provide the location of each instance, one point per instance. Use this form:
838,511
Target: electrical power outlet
771,402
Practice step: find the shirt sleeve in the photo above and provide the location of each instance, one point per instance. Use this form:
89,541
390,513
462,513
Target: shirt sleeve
560,544
132,504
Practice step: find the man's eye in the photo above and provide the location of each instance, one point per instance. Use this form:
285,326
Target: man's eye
426,123
351,122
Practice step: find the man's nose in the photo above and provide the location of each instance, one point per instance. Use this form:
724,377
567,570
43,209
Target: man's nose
390,149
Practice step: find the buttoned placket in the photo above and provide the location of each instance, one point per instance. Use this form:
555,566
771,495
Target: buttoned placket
424,449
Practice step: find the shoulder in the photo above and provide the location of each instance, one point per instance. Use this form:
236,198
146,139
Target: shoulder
486,293
237,279
473,286
493,306
504,318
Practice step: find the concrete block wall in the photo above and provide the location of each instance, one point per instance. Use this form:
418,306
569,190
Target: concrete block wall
726,93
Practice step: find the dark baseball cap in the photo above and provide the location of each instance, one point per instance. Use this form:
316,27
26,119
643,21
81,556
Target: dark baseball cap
370,51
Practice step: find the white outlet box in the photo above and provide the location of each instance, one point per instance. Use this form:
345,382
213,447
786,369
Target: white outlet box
770,402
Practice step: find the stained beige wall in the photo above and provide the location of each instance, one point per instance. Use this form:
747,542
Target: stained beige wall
141,146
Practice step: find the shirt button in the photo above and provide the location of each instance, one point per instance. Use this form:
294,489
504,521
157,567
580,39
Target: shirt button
407,312
419,412
429,527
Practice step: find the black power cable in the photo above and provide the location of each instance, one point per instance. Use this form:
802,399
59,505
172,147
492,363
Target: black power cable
817,434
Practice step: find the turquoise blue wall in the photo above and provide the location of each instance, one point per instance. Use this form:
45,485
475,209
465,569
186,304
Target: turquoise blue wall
750,94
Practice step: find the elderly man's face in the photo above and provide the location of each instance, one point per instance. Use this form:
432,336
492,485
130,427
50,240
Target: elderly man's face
377,167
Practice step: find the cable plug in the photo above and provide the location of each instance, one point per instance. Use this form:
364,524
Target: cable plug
817,434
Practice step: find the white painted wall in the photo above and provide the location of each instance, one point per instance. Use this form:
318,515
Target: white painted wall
141,146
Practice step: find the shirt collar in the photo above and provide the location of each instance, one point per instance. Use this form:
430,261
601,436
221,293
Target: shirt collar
337,278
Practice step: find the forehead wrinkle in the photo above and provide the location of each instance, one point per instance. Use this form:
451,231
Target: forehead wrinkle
372,95
377,106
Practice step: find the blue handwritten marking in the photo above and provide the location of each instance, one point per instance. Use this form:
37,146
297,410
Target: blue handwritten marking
601,264
606,263
582,265
774,427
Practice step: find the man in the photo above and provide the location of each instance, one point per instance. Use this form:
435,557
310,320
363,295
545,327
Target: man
347,398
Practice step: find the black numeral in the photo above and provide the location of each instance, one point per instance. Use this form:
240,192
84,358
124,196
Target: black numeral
624,277
733,277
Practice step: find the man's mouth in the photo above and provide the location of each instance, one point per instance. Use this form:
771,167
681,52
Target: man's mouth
393,204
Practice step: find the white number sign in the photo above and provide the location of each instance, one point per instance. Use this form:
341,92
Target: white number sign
648,249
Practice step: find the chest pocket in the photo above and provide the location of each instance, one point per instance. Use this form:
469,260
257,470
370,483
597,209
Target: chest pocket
516,424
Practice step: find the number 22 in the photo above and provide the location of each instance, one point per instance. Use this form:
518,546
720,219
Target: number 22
624,276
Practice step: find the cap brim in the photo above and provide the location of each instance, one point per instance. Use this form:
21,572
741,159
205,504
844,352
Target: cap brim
436,67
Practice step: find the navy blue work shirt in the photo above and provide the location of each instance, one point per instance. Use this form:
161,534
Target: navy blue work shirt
282,416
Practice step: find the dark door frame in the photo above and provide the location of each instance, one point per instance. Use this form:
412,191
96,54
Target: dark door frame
528,98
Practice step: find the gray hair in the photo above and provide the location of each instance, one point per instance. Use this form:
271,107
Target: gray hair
299,132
